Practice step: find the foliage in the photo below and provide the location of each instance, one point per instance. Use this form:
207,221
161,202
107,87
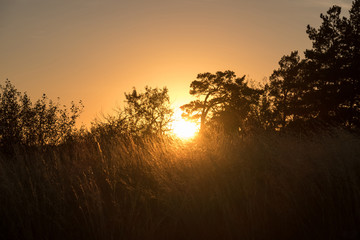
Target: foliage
333,68
110,126
324,87
144,114
148,112
223,98
285,90
42,123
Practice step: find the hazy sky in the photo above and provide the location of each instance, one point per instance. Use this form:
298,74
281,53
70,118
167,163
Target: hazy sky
95,50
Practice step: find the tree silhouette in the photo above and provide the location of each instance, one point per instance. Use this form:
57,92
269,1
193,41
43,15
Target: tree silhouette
42,123
285,90
324,87
333,68
223,98
149,112
10,129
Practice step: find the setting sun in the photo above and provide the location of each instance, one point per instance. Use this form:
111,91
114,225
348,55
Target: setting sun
182,128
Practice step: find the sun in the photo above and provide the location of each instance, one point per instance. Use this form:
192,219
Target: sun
184,129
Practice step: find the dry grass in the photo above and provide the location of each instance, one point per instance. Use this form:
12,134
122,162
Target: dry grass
264,187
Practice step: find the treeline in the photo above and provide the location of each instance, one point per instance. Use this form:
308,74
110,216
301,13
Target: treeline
43,122
46,122
302,95
320,90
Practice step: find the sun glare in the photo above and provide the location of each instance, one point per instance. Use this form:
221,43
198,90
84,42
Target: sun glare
184,129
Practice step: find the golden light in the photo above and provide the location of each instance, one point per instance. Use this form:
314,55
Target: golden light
184,129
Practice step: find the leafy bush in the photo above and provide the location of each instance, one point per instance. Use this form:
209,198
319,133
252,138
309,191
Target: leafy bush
34,124
145,114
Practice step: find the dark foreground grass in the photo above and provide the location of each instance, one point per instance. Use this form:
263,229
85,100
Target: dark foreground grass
264,187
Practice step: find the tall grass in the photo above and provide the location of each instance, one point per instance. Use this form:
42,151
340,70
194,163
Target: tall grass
216,187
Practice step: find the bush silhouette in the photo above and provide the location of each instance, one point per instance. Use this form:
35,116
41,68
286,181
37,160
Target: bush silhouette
145,113
34,124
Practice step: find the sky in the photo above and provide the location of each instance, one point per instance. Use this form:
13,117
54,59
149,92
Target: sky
95,50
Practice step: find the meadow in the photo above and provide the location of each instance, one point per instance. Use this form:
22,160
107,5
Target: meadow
265,186
274,159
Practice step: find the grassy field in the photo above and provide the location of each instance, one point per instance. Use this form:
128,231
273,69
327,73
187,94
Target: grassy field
216,187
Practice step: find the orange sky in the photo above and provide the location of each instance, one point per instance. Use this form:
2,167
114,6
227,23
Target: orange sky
95,50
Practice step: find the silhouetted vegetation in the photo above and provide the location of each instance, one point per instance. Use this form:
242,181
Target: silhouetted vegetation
323,89
260,187
227,100
247,175
34,124
324,86
144,114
